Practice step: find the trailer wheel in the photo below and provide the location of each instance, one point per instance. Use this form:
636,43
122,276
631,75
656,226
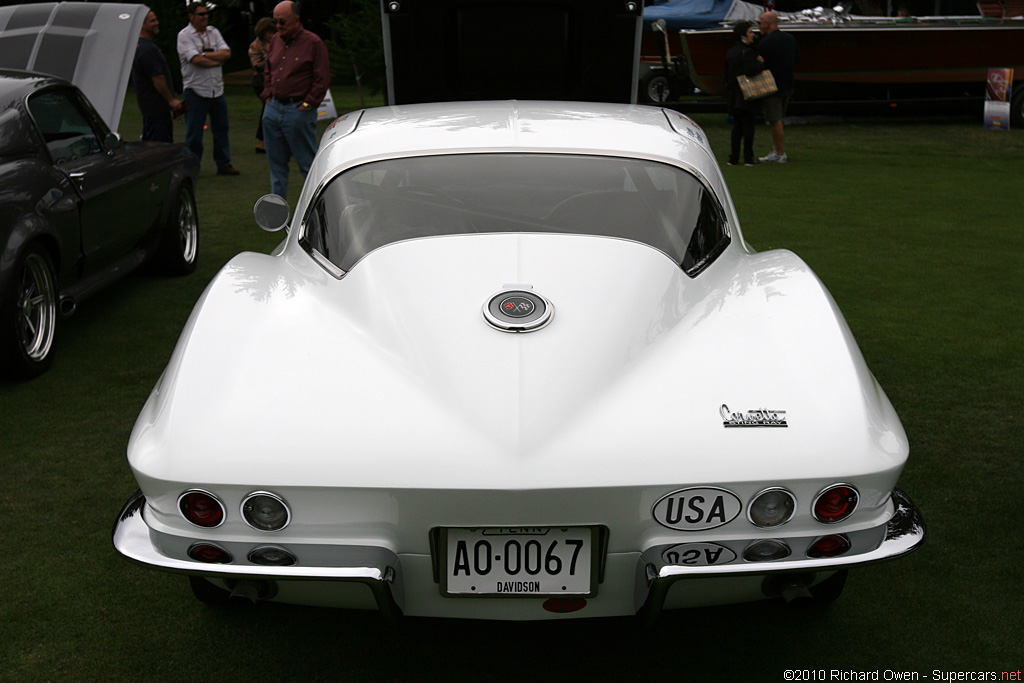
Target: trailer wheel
658,86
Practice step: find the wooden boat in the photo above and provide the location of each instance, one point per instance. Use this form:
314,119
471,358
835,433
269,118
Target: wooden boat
883,61
845,60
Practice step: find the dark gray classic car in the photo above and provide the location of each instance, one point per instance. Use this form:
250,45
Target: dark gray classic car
79,207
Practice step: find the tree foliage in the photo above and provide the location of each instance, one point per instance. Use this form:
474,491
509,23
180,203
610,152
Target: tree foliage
357,51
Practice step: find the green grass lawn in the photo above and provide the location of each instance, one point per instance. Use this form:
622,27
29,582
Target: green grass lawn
913,224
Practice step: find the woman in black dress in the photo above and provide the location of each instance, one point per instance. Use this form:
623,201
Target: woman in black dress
258,58
742,59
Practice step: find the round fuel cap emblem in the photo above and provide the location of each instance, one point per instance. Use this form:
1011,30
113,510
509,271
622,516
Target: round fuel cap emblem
517,306
518,311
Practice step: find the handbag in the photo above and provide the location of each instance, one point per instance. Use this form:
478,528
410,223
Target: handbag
757,87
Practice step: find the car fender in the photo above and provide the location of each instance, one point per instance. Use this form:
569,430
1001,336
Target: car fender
44,207
184,168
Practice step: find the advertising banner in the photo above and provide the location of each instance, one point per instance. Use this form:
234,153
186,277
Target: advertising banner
997,99
326,111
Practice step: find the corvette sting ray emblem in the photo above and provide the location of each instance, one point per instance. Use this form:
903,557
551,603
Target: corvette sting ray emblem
760,417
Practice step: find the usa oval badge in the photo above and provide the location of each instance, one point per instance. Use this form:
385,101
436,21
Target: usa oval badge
696,509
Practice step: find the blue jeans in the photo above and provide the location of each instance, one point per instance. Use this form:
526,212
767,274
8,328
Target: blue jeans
159,128
288,131
195,119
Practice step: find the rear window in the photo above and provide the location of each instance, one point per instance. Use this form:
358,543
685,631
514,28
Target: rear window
379,203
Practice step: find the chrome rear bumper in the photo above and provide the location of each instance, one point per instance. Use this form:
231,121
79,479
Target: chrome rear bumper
904,532
380,570
377,568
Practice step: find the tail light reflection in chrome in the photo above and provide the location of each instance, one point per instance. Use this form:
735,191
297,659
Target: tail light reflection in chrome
201,508
766,551
265,511
209,553
832,545
271,556
835,503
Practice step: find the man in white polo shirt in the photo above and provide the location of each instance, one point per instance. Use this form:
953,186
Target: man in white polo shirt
202,52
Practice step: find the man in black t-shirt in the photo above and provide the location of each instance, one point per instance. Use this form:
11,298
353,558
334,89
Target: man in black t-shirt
151,76
780,54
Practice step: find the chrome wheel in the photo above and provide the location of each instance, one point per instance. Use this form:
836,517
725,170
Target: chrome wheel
179,244
36,319
188,227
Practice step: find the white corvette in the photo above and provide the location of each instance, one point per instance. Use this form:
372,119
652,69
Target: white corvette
514,360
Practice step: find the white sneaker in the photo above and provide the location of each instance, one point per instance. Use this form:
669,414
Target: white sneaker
773,156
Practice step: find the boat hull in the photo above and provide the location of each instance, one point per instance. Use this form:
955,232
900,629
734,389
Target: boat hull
893,61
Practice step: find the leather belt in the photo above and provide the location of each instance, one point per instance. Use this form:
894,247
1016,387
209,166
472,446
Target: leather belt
289,100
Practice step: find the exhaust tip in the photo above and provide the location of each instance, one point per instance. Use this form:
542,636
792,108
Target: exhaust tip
793,588
67,306
797,594
248,593
245,594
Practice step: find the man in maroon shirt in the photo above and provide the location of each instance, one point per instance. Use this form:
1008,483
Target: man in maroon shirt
296,77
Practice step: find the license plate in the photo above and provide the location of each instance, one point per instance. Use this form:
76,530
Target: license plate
519,561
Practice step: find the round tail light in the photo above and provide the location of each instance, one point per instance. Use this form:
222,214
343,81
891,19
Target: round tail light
201,508
771,508
265,511
209,553
832,545
835,503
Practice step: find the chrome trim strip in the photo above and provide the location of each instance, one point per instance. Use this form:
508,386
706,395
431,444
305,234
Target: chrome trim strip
131,538
325,263
904,532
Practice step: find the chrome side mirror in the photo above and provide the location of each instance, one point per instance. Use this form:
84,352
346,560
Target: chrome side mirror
271,212
660,25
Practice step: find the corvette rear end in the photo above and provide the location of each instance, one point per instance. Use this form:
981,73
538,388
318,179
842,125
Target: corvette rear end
514,360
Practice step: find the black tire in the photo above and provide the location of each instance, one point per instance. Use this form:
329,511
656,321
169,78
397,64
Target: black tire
658,87
1017,108
179,245
829,590
29,315
207,592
